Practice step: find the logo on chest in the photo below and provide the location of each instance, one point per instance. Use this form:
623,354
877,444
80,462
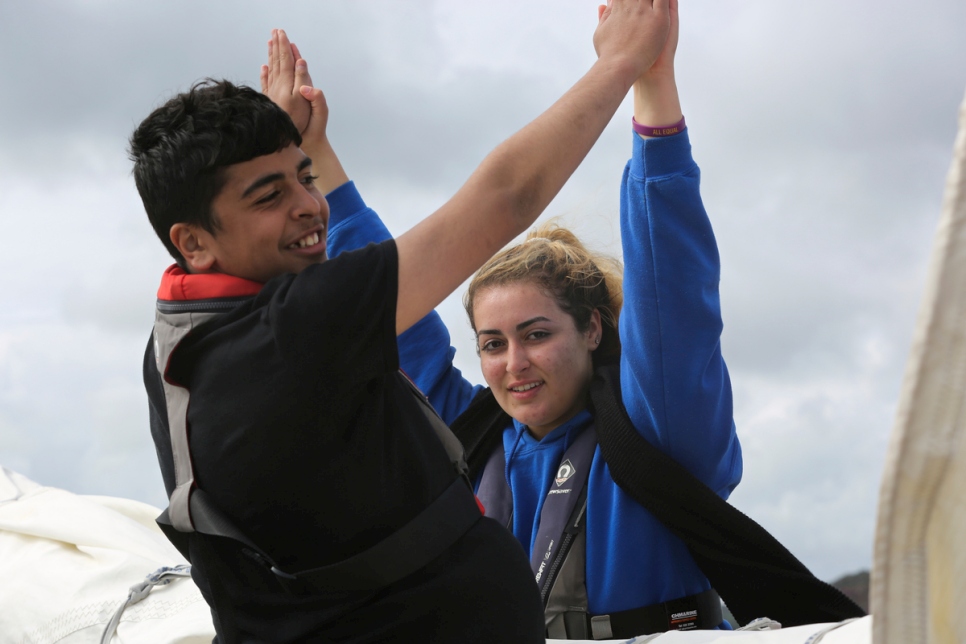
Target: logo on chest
566,471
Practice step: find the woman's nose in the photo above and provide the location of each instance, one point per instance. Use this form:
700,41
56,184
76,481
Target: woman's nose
516,358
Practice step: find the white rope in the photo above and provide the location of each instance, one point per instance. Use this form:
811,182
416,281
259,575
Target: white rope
160,577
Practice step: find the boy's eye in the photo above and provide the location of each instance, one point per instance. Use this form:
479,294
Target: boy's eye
268,198
309,179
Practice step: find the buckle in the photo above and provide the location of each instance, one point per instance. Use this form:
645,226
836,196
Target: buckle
600,628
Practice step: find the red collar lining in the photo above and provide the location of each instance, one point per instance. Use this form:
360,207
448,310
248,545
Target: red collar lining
179,286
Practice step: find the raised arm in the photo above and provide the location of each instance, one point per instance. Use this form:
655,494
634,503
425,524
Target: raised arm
516,181
674,381
286,80
656,101
425,351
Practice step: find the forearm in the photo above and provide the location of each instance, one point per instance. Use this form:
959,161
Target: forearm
656,101
532,166
325,164
518,180
507,192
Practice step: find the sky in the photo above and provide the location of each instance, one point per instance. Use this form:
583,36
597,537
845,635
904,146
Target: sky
823,131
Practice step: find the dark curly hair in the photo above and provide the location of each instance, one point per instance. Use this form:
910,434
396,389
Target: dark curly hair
180,151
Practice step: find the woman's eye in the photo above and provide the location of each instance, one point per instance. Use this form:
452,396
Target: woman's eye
490,345
538,335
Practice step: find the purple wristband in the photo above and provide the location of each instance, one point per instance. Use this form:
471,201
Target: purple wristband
667,130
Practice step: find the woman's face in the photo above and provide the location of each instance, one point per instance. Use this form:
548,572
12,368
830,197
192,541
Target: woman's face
533,357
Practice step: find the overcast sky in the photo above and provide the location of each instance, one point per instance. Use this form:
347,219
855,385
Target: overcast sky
823,130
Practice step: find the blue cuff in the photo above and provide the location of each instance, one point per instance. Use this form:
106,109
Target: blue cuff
662,156
344,202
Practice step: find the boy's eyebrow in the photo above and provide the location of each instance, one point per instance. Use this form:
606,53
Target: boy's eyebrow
275,176
520,327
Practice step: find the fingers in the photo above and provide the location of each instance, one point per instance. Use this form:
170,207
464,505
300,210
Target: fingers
273,64
286,61
302,76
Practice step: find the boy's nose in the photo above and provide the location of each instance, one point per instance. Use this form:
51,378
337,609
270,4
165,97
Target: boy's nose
308,206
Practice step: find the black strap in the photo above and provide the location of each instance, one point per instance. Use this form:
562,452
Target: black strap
574,526
562,511
701,611
400,554
754,573
209,519
480,429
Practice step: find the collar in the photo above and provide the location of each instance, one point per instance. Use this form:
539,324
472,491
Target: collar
180,286
567,431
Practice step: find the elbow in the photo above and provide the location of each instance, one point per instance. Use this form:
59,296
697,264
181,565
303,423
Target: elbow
518,193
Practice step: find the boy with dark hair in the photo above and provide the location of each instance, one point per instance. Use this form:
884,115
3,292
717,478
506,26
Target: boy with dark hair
314,490
182,148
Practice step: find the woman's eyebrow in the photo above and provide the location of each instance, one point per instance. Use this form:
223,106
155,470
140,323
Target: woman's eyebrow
539,318
520,327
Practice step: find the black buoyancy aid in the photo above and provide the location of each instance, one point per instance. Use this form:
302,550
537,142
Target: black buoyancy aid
191,510
755,575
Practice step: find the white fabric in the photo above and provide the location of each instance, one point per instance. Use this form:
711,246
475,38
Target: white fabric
919,570
67,562
854,632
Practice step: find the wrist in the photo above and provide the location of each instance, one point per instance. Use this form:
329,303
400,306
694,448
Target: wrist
622,69
651,131
656,101
315,146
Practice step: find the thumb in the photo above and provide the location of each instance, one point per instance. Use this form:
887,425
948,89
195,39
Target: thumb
314,96
319,118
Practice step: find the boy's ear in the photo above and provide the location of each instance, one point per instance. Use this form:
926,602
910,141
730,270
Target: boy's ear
192,242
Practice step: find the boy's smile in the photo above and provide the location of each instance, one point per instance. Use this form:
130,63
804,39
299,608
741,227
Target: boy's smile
271,219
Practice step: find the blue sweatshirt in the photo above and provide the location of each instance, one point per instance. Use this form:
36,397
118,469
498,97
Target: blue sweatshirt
674,382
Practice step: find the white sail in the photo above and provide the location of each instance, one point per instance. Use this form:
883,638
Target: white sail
919,569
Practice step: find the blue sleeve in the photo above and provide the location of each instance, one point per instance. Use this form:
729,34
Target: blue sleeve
352,224
674,382
425,353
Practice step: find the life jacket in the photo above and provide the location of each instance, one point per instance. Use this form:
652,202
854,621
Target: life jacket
754,573
191,510
558,557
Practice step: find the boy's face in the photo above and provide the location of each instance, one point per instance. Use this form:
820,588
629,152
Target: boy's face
271,218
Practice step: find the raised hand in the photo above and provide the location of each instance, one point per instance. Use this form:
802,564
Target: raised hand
664,65
284,76
632,32
656,101
285,80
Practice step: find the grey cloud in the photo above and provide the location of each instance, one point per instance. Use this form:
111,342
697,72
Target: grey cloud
823,131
